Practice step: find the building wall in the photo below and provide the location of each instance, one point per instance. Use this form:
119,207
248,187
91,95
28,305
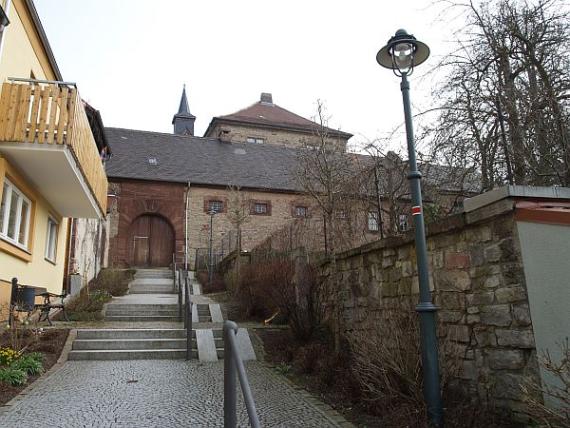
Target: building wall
545,252
254,230
22,53
88,247
132,199
31,267
22,50
278,137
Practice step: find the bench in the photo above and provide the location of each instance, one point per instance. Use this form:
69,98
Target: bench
51,301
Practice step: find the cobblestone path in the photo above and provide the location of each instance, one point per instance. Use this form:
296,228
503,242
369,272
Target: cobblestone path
157,393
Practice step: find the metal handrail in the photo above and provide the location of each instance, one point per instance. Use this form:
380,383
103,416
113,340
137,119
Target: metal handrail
232,364
179,289
188,317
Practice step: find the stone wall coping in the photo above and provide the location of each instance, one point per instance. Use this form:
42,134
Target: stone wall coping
513,191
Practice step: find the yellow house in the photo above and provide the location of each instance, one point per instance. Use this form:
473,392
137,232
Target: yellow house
50,166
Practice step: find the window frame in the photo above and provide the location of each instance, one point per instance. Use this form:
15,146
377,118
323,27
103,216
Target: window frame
253,207
4,233
373,216
296,211
255,140
401,217
216,201
51,221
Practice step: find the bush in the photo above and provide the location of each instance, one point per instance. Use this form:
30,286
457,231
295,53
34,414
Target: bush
28,364
114,282
13,376
217,286
284,285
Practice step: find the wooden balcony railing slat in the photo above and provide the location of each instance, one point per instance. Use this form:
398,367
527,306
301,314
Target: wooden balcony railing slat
4,105
52,113
45,94
63,117
12,113
34,116
22,121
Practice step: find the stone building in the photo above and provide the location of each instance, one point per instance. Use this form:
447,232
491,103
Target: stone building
162,186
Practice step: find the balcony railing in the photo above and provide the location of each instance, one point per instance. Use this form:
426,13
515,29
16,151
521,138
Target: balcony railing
52,113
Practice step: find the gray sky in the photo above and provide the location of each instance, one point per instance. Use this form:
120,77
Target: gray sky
130,58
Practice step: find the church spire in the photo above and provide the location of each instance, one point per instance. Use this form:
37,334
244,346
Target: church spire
183,121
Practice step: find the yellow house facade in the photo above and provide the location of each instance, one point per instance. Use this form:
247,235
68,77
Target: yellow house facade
50,167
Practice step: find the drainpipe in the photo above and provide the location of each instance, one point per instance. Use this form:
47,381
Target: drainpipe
186,215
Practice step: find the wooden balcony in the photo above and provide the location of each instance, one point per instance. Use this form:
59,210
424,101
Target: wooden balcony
44,131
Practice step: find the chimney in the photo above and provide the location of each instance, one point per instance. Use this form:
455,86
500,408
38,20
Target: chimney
266,98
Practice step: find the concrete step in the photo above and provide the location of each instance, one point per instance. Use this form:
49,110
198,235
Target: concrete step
138,354
219,353
151,291
142,306
140,318
133,333
153,281
128,344
142,312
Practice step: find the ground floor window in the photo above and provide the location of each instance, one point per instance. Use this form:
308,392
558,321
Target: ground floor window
301,211
373,223
15,211
51,240
215,206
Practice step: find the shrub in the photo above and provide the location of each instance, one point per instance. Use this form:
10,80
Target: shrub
28,364
114,282
555,412
217,286
13,376
8,356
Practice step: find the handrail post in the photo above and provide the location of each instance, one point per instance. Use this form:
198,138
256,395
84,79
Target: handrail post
230,417
188,319
180,302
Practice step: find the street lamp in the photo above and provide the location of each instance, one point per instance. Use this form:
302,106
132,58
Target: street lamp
212,212
402,53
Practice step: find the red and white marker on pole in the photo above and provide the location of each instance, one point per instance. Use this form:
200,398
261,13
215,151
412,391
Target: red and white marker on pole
417,210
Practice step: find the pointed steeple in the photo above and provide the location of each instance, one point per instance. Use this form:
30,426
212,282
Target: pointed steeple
183,121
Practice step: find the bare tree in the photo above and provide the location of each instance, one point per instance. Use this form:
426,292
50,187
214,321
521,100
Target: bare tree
505,106
238,214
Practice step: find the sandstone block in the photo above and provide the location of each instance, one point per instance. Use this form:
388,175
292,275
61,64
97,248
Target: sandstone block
450,316
515,338
468,370
497,315
485,337
407,269
493,281
455,260
521,314
454,280
493,253
484,298
505,359
473,319
510,294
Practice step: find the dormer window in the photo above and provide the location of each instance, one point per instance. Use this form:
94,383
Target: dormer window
255,140
152,161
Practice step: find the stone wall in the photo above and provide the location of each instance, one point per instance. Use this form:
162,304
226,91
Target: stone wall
239,133
478,280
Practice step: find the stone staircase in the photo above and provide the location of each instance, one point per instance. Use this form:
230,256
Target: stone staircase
150,305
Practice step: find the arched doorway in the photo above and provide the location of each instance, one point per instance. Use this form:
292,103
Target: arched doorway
151,241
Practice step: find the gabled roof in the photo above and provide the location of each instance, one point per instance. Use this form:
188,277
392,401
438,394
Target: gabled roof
265,113
198,160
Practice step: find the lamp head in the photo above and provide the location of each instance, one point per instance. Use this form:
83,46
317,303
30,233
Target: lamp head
402,53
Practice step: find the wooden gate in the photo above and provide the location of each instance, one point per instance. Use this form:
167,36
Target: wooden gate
152,241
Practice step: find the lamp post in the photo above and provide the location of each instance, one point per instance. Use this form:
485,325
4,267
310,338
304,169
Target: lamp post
402,53
211,213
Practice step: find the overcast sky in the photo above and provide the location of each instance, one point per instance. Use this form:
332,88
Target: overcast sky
130,58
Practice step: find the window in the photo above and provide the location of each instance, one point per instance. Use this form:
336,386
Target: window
373,224
215,206
51,240
255,140
260,208
301,211
14,215
403,222
341,215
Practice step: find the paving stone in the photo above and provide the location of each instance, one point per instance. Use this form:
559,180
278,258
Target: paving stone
149,394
